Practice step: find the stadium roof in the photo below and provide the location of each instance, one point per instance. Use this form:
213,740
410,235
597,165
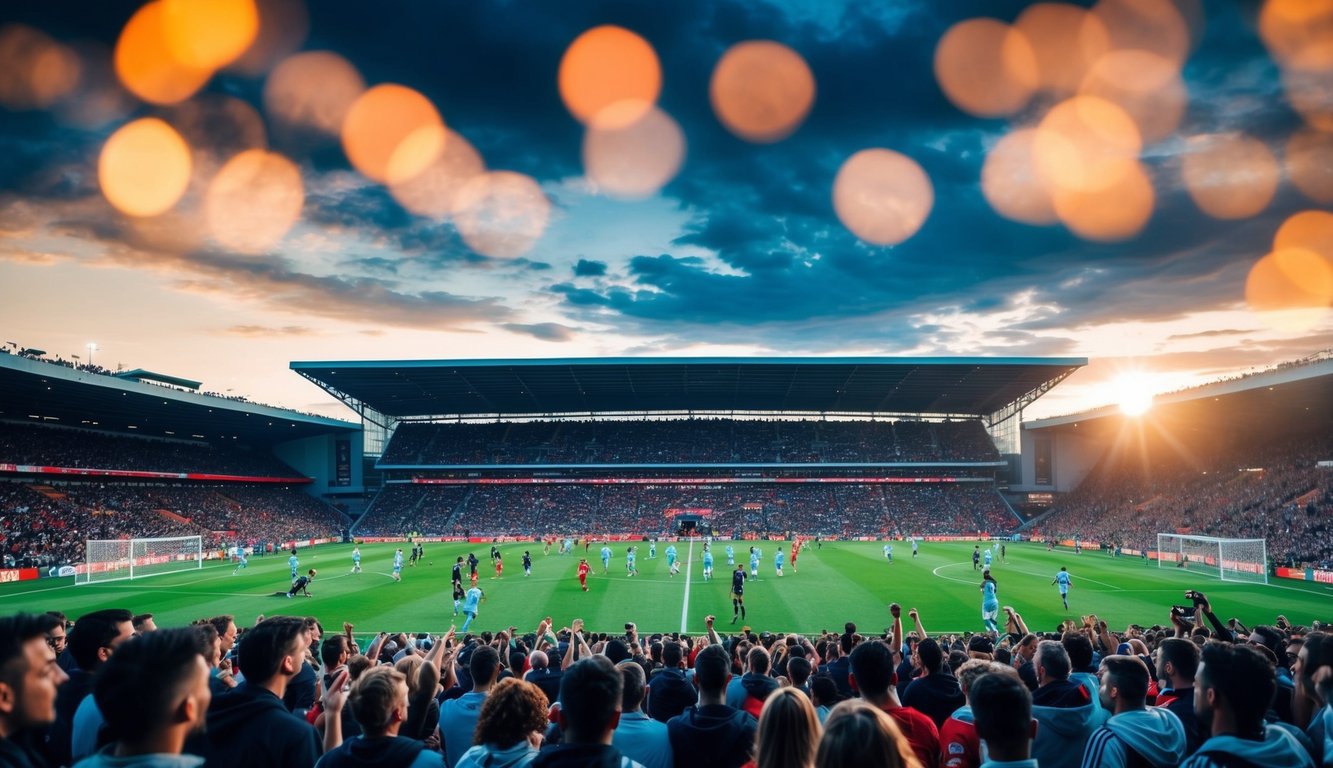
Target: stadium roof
33,391
973,386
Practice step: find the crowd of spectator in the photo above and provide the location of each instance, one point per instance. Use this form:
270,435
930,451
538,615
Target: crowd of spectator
1227,489
44,525
689,441
114,689
89,449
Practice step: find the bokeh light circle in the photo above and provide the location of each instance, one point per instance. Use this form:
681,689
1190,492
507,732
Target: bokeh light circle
986,67
1011,183
1307,230
1299,33
253,201
1147,86
35,71
283,26
502,214
1291,288
387,133
605,65
1310,94
1309,161
882,196
144,168
1065,41
209,34
761,90
1229,175
313,91
147,66
1110,213
1157,26
435,191
1084,143
632,158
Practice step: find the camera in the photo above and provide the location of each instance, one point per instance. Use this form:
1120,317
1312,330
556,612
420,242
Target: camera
1185,613
1195,596
629,625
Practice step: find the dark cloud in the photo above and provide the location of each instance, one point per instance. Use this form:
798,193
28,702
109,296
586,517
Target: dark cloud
586,268
542,331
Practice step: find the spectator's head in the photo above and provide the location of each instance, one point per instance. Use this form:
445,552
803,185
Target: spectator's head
788,732
616,651
823,691
57,636
274,648
1124,683
1079,649
1232,689
798,671
980,647
1051,662
1027,647
633,681
484,667
672,654
513,712
859,734
29,675
96,636
226,627
143,623
971,670
155,684
209,637
1315,652
712,670
845,642
932,658
758,660
538,660
590,693
1002,712
378,700
872,670
334,651
1177,659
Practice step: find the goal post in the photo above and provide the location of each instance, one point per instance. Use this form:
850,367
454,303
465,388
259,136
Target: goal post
1228,559
116,559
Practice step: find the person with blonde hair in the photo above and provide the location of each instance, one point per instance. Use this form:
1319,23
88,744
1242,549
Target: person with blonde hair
510,727
788,732
859,733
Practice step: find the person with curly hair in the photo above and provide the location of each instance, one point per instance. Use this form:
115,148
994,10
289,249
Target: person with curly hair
509,730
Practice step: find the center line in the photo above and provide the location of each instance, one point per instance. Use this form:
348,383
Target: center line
685,607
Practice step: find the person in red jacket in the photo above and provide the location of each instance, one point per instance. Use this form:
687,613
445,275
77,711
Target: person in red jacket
873,676
583,574
960,747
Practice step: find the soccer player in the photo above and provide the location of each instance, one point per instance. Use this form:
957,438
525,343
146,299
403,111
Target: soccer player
985,559
795,550
412,558
1004,557
976,556
458,595
398,565
606,558
301,583
652,549
356,559
568,547
671,559
583,574
777,562
457,575
241,561
472,563
731,555
913,539
630,568
527,564
888,552
499,565
738,593
990,602
294,563
1062,578
546,550
754,563
495,552
474,598
708,564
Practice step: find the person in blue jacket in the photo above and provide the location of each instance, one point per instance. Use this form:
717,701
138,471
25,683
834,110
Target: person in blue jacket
1135,734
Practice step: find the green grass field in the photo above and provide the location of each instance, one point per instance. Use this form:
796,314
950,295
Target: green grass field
841,582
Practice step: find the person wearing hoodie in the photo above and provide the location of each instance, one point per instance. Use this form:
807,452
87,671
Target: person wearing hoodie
711,734
251,726
1064,710
756,684
935,693
1232,688
590,696
458,717
1177,660
30,677
1135,734
638,736
1312,677
960,747
379,703
669,692
155,693
509,728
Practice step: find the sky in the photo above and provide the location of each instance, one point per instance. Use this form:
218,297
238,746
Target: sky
721,213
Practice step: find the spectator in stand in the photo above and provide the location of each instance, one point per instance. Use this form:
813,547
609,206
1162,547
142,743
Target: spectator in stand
669,693
936,692
1177,661
29,678
1064,710
94,639
590,696
509,728
1313,674
858,733
874,677
959,743
155,693
250,726
788,732
1232,689
840,667
824,695
300,694
1135,734
379,703
1002,708
638,736
143,623
458,717
541,674
711,734
756,684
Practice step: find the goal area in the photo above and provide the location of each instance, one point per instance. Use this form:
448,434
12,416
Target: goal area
1228,559
117,559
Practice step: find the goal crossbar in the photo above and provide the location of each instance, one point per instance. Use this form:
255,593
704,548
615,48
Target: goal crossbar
117,559
1228,559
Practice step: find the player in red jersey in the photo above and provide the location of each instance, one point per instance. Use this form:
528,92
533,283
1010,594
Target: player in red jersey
583,574
795,550
499,565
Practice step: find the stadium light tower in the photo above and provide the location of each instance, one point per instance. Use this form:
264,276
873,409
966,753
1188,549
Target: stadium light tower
92,347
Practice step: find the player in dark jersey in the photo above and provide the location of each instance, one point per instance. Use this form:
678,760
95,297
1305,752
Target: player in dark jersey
738,593
457,575
527,563
472,563
301,583
459,594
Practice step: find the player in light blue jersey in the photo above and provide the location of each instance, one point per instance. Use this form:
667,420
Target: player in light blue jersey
671,559
652,549
398,565
356,559
754,563
985,559
470,603
630,568
990,602
777,561
606,558
241,561
708,565
731,554
1062,578
913,540
294,563
888,552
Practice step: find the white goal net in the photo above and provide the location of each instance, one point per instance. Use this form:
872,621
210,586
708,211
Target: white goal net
115,559
1228,559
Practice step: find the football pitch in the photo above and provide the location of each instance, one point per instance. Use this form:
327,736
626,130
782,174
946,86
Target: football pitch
836,583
